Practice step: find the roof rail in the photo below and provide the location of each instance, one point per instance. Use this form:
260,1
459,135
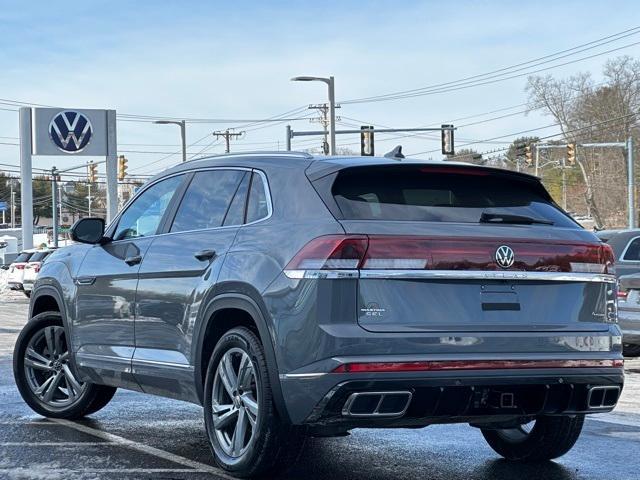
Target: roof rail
275,153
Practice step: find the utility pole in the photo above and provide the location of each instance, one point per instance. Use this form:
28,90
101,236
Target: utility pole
54,210
227,137
630,184
564,184
89,197
325,120
13,205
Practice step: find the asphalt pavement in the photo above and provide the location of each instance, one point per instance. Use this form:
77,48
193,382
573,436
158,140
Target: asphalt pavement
144,437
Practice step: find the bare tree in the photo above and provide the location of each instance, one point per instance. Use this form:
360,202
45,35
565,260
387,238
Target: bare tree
589,112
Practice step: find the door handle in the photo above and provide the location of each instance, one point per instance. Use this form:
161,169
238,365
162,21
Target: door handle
133,260
205,254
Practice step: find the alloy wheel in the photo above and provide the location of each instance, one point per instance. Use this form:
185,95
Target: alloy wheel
46,365
235,398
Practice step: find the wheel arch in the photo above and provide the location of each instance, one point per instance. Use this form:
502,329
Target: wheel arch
47,298
238,302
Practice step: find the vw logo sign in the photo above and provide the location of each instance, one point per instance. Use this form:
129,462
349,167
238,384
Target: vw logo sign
505,256
70,131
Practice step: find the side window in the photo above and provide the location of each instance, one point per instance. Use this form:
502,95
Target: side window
632,253
257,207
143,216
235,214
207,200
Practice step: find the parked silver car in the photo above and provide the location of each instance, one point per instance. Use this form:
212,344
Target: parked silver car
629,313
626,249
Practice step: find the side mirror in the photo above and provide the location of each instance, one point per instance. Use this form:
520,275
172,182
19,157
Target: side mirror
88,230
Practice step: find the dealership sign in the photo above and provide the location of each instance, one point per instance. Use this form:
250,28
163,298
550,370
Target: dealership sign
69,132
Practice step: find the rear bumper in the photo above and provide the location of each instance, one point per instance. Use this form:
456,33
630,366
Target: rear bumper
453,397
14,285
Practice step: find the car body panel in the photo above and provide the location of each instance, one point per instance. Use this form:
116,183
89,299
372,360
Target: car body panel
171,284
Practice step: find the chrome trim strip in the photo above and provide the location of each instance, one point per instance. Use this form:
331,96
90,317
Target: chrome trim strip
299,274
453,275
301,376
143,361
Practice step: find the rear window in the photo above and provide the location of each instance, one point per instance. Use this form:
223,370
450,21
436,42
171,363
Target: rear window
38,256
440,194
23,257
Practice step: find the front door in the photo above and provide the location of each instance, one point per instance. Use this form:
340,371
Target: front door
178,270
103,324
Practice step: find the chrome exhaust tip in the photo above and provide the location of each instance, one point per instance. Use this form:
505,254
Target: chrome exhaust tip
377,404
603,397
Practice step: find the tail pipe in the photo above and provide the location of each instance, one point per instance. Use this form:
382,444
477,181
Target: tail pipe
377,404
603,397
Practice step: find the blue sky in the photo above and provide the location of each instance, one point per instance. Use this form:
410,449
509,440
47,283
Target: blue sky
234,60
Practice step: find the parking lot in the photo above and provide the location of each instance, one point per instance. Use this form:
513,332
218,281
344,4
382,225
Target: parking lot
138,436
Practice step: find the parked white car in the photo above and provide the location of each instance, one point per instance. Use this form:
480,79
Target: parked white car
16,269
32,268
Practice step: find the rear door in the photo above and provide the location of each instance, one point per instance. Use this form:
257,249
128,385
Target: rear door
460,248
179,268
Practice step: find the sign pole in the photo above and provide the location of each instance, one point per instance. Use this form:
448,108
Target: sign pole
54,203
26,190
112,166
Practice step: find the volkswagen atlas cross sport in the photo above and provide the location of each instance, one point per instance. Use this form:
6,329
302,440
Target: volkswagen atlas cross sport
293,296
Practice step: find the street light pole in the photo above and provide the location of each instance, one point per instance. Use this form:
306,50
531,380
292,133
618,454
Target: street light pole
332,116
183,133
332,106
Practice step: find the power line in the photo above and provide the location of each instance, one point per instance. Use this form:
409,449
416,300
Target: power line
505,72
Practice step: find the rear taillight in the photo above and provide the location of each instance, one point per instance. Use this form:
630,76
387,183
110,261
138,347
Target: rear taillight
622,295
386,252
440,365
19,266
332,252
36,267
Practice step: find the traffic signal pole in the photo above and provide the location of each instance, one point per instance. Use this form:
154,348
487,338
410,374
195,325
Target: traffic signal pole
628,146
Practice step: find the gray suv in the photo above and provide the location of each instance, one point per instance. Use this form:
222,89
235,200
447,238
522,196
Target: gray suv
294,296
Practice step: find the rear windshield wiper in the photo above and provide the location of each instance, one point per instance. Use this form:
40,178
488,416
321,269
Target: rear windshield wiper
512,219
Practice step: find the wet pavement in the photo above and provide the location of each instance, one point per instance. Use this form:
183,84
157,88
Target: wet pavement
144,437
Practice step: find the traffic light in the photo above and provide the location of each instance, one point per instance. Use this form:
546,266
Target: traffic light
366,141
92,172
446,137
122,167
528,157
571,153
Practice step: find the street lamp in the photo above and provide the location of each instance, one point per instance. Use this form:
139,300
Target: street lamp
183,133
332,107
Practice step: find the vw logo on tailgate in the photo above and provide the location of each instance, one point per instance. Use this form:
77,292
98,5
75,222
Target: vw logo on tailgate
505,256
70,131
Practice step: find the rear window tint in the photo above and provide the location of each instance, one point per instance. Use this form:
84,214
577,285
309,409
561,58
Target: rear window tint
23,257
38,256
632,252
439,194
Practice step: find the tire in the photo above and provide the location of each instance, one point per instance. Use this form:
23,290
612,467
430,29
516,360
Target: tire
549,438
271,445
631,350
64,396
